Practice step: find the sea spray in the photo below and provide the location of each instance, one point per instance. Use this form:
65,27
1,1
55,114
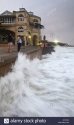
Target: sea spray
18,90
39,87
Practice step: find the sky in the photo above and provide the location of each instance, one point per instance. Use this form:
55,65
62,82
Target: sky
57,16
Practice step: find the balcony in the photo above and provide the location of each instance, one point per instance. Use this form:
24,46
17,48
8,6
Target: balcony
7,20
36,25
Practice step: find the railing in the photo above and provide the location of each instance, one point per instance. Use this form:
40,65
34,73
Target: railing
36,25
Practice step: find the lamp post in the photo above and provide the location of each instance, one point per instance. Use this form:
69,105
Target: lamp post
30,39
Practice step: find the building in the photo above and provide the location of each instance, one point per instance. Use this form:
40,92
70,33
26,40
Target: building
21,23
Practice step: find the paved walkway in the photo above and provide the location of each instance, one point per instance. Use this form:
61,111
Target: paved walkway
4,50
4,55
7,59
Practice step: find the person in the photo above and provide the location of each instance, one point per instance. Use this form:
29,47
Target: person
19,42
10,42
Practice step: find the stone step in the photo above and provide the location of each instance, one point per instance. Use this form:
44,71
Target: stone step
14,49
5,49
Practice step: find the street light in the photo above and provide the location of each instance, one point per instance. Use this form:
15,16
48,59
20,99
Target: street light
30,39
29,36
56,41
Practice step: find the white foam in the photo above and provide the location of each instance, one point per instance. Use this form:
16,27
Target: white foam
39,87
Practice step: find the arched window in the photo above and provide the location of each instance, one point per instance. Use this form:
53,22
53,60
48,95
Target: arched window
20,29
35,21
21,17
35,40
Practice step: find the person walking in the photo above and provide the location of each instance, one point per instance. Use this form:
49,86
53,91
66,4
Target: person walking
19,42
10,42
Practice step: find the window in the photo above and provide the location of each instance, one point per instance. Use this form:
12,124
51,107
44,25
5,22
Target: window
35,21
8,20
20,17
20,29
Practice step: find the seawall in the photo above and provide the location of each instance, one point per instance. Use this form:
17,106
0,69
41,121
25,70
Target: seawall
7,59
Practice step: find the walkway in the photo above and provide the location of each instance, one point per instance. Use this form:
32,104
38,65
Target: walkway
5,56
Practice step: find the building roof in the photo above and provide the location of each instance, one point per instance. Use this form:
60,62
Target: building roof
21,10
7,13
32,15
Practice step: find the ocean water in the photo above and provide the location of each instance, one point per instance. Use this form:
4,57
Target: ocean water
40,87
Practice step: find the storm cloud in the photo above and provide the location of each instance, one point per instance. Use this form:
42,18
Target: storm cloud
57,16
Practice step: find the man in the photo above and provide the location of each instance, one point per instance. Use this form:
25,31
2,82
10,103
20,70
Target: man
19,42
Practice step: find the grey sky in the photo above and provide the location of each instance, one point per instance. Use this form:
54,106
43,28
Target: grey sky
57,16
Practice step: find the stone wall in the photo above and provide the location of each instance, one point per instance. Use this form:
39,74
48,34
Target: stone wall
7,61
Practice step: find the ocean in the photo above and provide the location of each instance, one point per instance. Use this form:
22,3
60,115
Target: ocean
39,88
